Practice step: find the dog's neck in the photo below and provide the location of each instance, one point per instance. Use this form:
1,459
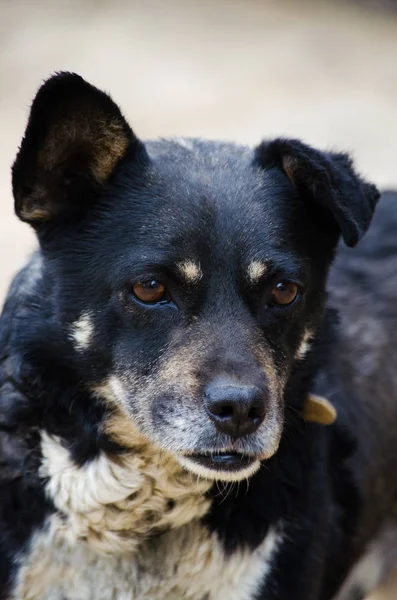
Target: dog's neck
116,502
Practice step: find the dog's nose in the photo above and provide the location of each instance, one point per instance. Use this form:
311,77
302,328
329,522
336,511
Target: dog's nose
236,410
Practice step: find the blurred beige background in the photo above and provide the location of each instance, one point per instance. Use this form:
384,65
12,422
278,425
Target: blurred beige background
237,69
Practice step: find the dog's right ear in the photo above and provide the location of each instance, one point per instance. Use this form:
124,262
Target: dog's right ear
75,139
341,199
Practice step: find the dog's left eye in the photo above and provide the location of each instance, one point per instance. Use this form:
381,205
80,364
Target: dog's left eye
284,293
150,292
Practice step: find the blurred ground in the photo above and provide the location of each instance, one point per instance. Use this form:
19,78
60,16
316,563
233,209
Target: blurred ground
238,70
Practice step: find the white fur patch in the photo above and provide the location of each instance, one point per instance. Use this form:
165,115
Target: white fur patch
129,528
116,502
190,271
256,271
82,330
188,563
116,391
304,346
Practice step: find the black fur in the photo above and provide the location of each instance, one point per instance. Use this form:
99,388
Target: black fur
110,211
327,180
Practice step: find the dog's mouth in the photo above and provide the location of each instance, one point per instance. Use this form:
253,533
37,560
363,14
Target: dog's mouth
223,461
222,466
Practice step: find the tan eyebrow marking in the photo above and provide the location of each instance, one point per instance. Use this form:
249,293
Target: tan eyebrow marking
190,271
256,270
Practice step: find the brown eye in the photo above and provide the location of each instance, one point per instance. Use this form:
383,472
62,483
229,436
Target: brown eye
284,293
150,292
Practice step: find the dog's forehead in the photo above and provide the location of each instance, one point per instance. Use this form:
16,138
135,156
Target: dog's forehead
204,198
213,179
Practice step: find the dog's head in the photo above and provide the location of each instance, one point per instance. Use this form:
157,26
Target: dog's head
188,277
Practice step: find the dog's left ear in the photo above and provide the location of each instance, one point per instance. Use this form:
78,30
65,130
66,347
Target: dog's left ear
328,181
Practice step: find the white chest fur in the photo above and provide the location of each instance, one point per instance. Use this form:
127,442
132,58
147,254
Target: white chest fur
103,547
185,564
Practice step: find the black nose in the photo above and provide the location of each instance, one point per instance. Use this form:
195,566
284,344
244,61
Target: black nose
235,409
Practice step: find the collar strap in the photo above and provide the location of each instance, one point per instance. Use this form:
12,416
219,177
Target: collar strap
317,409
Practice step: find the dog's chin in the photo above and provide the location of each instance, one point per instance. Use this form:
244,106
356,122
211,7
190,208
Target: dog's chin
220,466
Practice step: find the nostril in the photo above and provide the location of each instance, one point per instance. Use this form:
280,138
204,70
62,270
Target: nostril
256,412
219,408
224,410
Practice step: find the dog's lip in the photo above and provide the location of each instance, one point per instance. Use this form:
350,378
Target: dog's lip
223,461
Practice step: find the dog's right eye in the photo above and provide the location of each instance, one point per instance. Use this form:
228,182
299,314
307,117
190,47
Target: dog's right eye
150,292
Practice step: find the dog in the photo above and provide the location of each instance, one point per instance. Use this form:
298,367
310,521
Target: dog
194,404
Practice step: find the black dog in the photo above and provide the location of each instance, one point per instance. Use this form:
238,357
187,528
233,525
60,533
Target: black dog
163,342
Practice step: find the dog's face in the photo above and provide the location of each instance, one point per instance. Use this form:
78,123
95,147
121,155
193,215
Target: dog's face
189,277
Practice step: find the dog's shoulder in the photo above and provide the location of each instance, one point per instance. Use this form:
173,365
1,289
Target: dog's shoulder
22,498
